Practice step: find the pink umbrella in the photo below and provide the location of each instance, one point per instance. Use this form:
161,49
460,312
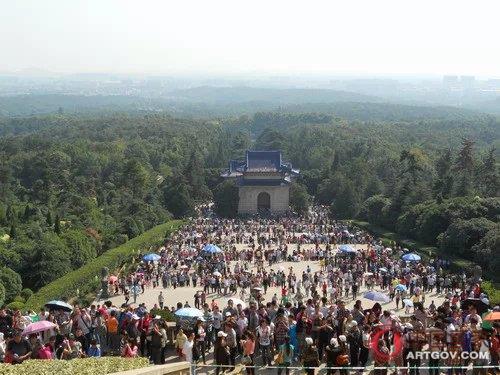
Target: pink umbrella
112,279
36,327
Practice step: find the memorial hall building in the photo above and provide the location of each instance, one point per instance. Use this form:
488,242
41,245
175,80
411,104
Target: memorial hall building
263,180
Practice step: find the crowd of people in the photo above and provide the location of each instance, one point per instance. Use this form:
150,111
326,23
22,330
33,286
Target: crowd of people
306,323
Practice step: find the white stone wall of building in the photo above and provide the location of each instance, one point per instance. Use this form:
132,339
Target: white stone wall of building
280,197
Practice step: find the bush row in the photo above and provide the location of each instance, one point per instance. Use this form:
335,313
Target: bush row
87,278
104,365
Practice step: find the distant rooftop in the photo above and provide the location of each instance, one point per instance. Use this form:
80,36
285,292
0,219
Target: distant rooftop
259,161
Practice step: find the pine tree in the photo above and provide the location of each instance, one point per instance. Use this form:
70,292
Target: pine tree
13,231
48,218
488,175
57,225
464,166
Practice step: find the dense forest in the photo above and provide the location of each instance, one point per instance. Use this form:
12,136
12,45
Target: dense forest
74,186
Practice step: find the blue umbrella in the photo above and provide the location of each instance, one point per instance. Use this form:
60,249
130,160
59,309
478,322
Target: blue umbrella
151,257
210,248
376,296
401,288
346,249
59,305
411,257
189,312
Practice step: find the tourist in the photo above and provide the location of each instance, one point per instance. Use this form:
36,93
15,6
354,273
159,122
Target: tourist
285,353
180,340
94,350
310,357
187,349
248,345
18,349
130,349
264,335
221,352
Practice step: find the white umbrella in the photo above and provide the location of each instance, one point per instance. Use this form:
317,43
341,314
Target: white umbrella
217,274
408,302
368,273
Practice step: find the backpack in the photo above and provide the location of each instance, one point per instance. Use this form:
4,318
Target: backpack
342,360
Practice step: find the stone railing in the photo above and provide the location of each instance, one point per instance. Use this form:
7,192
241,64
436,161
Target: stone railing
178,368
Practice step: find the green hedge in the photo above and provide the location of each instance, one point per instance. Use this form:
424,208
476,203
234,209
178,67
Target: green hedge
84,278
493,292
104,365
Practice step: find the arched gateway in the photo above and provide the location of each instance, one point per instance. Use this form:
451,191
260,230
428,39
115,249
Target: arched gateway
263,202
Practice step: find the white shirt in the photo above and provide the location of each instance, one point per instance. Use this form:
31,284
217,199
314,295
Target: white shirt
242,324
264,335
187,350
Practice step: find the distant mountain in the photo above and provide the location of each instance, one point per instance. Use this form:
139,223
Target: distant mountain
209,94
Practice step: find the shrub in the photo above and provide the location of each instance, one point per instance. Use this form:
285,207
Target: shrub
104,365
492,292
26,293
16,305
82,278
2,294
19,299
12,282
165,314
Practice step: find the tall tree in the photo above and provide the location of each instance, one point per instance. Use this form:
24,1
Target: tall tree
488,175
443,186
226,199
464,167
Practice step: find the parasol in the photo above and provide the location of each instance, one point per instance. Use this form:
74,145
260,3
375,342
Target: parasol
376,296
151,257
42,325
189,312
211,248
59,305
411,257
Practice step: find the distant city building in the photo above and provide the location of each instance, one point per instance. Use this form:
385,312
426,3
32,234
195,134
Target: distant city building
450,82
263,181
468,82
459,83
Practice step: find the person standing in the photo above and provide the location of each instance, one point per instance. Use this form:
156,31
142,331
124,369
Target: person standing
161,300
248,344
187,348
231,344
264,335
286,354
221,352
354,338
310,357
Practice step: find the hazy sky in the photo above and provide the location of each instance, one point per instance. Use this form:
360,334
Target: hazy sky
232,36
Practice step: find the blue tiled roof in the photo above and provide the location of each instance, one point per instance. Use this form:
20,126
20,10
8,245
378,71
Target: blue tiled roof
259,161
263,161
